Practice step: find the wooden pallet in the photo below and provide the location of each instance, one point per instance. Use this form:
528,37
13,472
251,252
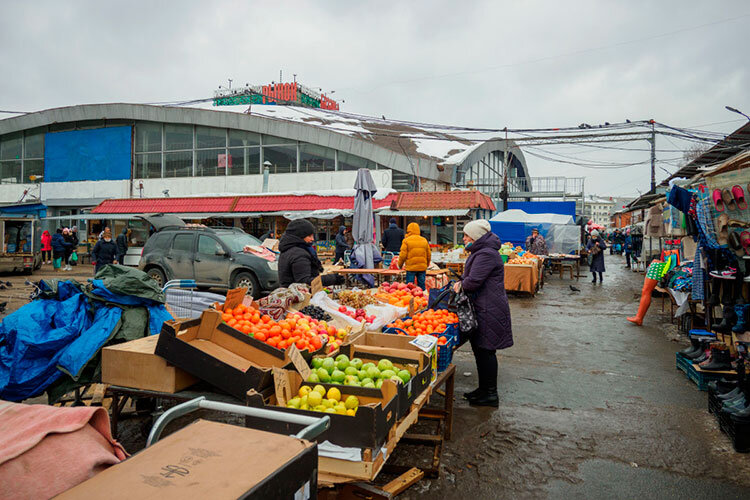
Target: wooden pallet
87,395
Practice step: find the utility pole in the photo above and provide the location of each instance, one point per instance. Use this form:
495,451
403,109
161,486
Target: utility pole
653,157
504,192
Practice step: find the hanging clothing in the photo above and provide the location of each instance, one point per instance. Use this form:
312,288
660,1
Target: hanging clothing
654,226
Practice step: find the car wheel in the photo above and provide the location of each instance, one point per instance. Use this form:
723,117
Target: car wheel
158,276
247,280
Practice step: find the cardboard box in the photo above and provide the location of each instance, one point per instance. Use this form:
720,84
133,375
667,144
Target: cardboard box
134,364
211,460
220,355
392,341
367,429
271,244
408,392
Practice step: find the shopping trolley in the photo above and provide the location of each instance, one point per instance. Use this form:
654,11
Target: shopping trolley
180,295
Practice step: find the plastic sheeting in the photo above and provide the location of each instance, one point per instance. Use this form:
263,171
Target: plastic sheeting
88,155
559,231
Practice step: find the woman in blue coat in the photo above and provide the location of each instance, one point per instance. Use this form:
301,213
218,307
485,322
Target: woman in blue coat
595,248
484,282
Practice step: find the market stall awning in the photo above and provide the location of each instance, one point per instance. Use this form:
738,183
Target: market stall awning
443,200
424,213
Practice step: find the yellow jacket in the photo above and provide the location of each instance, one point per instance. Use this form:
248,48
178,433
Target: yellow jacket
415,250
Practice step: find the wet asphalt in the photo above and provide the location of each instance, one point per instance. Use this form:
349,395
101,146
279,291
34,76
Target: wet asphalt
590,407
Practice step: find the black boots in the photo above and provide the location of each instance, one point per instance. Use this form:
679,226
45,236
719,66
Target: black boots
720,358
487,397
728,320
472,394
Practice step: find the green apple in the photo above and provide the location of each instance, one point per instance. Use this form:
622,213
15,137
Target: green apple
368,365
385,364
351,380
350,370
337,377
323,375
342,357
328,364
370,385
356,363
317,362
343,364
372,372
314,377
362,374
293,403
351,402
387,373
367,381
404,375
379,383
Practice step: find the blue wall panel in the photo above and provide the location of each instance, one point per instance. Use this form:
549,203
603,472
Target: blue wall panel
87,155
545,207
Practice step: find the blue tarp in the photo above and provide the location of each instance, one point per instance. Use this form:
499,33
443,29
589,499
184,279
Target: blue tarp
544,207
50,337
88,155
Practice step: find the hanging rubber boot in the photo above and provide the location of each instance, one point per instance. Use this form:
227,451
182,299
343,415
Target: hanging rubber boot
727,321
648,287
720,359
741,312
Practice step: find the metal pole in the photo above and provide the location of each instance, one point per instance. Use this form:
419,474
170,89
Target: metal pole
653,158
504,193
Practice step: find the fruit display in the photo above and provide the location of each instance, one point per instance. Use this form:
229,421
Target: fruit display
355,299
357,314
306,333
316,312
318,399
431,321
345,371
400,295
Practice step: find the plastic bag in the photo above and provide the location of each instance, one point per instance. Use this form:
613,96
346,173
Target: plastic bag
74,257
384,314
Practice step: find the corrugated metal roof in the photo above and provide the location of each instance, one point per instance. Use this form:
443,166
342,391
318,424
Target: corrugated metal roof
443,200
165,205
425,213
302,203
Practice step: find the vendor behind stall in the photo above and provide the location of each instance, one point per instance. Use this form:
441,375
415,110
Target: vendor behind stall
341,244
298,260
536,243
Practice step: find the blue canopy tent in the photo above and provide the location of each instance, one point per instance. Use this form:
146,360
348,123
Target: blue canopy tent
560,231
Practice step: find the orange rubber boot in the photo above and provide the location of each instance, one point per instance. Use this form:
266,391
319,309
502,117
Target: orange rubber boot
648,287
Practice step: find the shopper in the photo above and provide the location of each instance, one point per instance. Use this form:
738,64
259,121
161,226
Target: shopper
59,246
298,260
628,248
74,241
341,244
415,255
267,235
105,251
595,248
484,282
536,243
46,247
122,245
392,237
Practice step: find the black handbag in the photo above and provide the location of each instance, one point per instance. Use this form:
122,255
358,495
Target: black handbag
467,318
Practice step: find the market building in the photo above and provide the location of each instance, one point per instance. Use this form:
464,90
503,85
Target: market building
70,159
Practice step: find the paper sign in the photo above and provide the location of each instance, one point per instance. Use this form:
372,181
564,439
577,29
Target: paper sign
425,342
411,306
235,297
281,386
298,361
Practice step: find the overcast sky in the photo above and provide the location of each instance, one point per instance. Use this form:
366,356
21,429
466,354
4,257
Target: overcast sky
521,64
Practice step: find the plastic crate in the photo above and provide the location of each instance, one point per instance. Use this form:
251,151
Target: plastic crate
701,379
445,354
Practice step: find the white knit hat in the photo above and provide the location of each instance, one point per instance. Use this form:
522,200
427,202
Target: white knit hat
594,233
476,229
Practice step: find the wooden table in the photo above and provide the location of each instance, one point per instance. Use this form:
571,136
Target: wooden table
521,278
566,258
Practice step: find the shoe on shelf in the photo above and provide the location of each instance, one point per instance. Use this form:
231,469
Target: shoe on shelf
720,359
726,274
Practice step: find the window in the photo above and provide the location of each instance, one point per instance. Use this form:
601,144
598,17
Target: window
178,137
208,245
239,138
351,162
148,166
237,241
158,241
207,162
183,243
33,167
283,158
313,158
272,140
34,146
178,164
148,137
10,147
10,172
208,137
244,161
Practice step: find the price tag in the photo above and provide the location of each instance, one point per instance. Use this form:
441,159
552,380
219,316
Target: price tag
425,342
235,297
281,386
298,361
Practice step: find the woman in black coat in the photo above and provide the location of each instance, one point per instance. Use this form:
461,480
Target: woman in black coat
596,247
484,282
298,260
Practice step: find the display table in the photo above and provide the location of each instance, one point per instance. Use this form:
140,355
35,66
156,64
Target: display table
558,261
521,278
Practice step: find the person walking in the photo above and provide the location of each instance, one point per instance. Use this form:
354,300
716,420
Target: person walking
74,241
415,255
59,245
298,260
104,252
122,245
46,247
628,248
596,247
341,244
483,281
68,249
392,237
536,243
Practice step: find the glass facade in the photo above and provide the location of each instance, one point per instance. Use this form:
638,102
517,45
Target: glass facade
182,150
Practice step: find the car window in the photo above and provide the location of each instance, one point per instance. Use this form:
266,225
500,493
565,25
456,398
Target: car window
183,242
158,241
237,241
208,245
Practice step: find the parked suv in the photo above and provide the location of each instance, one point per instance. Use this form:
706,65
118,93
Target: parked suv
213,257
